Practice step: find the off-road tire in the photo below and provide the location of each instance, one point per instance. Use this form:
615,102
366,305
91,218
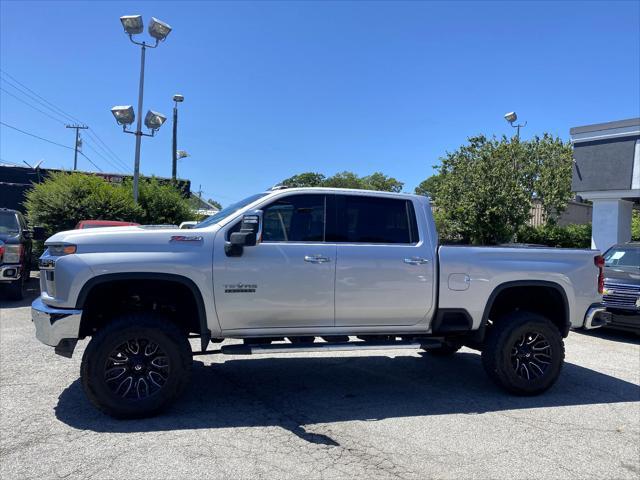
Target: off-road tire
171,341
501,357
15,290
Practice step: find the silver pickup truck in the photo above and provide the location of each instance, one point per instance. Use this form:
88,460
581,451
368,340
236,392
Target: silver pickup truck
300,270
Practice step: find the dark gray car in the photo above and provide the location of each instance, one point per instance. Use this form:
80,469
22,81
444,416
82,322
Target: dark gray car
622,286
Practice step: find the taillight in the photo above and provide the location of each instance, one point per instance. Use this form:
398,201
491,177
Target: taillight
598,260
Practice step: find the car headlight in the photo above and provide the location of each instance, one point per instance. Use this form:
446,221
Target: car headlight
13,253
61,249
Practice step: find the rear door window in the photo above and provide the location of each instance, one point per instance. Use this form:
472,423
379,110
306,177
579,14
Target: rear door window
375,220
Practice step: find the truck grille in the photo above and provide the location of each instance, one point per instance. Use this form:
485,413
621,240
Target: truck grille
621,296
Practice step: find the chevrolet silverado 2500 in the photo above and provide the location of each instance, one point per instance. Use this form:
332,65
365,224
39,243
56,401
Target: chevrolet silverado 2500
312,269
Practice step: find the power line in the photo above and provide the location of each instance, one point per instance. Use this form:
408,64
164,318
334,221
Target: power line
35,136
39,96
119,169
32,106
58,111
91,161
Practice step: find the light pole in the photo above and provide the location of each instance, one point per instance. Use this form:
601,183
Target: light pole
177,98
124,114
511,117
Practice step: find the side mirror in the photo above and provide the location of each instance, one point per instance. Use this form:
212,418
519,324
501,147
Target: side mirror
248,236
38,233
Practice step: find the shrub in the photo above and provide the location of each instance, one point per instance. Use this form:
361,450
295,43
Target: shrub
64,199
570,236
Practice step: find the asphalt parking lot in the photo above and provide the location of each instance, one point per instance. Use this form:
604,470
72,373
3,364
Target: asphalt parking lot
339,415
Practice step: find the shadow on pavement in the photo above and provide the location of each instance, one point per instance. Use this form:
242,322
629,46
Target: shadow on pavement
32,290
293,392
612,334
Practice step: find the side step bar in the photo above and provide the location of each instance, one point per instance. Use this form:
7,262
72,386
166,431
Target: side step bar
249,349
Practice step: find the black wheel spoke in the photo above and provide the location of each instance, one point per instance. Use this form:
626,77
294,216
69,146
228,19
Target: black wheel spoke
531,356
136,369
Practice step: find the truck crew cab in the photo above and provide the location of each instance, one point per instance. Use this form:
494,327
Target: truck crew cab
311,269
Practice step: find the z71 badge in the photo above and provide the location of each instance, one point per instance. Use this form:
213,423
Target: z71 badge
240,288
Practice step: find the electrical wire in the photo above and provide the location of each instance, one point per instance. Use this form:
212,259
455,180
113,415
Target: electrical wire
36,136
32,106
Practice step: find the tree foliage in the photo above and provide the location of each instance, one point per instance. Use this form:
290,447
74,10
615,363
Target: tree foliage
570,236
483,191
64,199
375,181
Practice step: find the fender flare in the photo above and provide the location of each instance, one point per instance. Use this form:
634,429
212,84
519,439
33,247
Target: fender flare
524,283
205,334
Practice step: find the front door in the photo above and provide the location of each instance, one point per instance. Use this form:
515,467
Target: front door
286,281
384,271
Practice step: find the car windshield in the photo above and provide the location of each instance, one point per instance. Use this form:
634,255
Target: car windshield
628,257
231,209
8,223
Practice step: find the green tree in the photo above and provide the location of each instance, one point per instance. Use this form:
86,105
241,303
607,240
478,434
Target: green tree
429,187
485,189
215,203
553,163
161,204
306,179
64,199
375,181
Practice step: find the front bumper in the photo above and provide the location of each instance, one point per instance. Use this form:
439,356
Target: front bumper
597,316
56,327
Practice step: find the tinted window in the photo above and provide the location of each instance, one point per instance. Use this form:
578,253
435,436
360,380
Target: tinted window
376,220
8,223
298,218
622,257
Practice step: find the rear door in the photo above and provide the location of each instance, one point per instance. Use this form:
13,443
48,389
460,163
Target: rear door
384,270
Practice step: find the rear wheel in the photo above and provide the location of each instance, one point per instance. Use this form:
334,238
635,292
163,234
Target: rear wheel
524,353
136,366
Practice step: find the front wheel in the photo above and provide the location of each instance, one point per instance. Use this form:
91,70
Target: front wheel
524,353
136,366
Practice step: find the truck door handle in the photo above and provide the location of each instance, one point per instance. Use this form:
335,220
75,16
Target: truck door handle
416,260
316,259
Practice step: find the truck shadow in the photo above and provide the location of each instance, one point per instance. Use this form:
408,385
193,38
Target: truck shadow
294,392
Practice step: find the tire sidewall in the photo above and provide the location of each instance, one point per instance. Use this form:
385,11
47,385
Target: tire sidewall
94,362
512,335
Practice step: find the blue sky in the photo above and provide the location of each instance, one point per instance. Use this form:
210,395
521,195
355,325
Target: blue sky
277,88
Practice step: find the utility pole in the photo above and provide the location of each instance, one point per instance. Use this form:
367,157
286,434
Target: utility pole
78,127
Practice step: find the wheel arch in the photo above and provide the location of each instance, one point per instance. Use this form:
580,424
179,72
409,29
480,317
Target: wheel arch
190,285
500,292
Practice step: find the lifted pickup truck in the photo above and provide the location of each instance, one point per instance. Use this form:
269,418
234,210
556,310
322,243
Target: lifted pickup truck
294,270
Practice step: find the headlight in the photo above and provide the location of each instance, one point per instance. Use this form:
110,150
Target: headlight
13,253
61,249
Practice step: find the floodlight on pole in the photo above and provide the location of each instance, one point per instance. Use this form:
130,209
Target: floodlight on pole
182,154
512,117
154,120
159,30
123,114
133,25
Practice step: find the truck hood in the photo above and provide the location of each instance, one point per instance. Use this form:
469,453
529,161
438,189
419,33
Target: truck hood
630,275
125,239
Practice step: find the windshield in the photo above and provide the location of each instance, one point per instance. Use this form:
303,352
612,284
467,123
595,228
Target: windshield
622,257
8,223
231,209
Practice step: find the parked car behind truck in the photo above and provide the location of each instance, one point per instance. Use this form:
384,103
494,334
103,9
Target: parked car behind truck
296,270
15,252
622,286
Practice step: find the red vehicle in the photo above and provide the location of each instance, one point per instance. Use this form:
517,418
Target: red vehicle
103,223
